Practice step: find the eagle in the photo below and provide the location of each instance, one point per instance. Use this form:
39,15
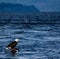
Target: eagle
12,46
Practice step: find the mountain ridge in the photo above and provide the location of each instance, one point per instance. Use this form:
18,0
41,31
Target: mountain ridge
10,7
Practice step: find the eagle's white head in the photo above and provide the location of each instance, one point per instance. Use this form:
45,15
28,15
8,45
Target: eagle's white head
16,40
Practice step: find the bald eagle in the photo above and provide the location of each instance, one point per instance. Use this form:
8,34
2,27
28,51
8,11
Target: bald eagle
12,46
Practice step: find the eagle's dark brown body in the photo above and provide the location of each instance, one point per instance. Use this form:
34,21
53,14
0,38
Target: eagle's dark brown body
12,45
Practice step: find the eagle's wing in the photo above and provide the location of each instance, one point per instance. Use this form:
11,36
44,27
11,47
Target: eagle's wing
12,44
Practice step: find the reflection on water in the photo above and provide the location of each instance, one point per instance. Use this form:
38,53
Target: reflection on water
36,41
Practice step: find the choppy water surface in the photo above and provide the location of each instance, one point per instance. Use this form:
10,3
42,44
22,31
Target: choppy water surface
35,42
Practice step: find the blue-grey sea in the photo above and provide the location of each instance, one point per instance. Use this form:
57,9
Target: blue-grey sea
36,41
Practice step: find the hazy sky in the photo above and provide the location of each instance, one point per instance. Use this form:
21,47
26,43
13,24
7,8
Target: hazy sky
42,5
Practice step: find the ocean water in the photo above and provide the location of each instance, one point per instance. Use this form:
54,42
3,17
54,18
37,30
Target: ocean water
36,41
